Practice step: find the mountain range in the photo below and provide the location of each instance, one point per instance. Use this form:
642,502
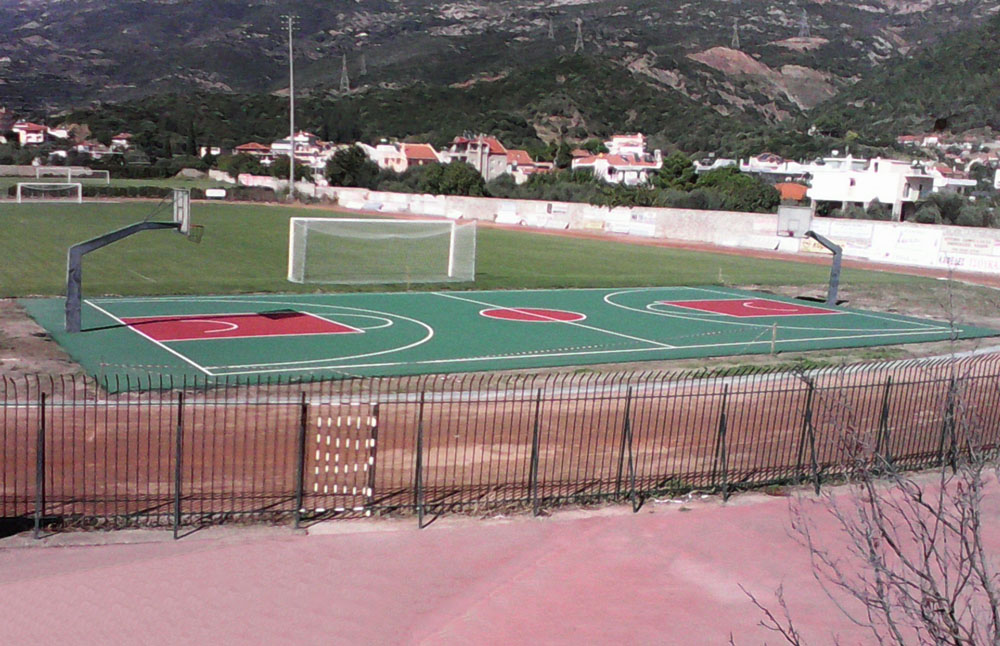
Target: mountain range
752,63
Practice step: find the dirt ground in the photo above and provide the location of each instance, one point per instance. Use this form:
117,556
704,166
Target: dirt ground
26,349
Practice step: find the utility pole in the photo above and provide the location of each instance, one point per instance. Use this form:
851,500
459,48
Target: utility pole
578,45
291,112
735,44
345,81
804,25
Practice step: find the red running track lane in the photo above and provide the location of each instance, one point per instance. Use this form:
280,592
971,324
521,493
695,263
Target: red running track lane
197,327
747,308
658,577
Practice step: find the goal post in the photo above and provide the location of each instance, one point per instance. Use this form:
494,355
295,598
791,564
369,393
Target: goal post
73,173
49,192
359,251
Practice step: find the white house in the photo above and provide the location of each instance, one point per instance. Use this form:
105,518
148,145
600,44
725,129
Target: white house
30,134
634,144
948,180
121,141
630,170
850,180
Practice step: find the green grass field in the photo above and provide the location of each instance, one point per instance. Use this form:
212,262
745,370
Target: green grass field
244,249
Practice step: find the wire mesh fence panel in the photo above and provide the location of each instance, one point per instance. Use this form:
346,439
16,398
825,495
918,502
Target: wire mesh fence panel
158,452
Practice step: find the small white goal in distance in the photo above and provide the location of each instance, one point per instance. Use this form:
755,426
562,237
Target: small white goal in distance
50,192
374,251
73,173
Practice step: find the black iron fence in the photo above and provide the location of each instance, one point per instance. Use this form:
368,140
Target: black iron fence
152,451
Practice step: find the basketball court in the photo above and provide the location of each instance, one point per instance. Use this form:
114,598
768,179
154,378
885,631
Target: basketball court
403,333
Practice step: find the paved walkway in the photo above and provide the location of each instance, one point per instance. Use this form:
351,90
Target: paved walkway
668,575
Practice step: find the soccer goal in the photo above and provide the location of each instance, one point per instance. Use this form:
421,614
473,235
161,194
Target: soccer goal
71,173
344,251
49,192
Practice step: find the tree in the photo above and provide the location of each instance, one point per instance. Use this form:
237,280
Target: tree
677,172
909,562
352,167
456,178
280,166
238,164
742,192
564,156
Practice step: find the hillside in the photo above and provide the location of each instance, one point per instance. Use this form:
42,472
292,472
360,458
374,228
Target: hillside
952,85
788,57
573,97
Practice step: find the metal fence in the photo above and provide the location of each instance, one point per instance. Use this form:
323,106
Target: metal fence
151,451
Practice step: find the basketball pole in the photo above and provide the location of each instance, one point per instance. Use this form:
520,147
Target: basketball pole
838,253
74,266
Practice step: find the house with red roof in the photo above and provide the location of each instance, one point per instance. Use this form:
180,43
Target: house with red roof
419,155
631,170
30,134
486,154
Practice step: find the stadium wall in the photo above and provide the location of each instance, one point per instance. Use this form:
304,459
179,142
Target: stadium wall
971,249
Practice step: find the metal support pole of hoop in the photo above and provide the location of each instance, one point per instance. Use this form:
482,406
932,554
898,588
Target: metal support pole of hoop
796,222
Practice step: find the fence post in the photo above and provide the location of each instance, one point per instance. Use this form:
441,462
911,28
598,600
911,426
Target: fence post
178,463
533,464
624,444
300,457
809,432
636,502
883,445
40,468
721,454
418,476
373,437
948,426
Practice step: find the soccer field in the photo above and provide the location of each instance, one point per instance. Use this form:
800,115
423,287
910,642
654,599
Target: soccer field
245,249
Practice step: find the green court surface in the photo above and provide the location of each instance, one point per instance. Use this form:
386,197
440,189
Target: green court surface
367,334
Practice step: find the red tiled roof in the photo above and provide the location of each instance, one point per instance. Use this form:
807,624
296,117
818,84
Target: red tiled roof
519,157
27,126
580,152
617,161
496,148
122,135
420,151
254,146
791,190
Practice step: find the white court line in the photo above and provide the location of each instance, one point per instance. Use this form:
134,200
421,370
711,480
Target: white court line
763,326
514,357
880,317
208,318
149,338
304,363
555,320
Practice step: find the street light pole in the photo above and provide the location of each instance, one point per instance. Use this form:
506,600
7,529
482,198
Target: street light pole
291,113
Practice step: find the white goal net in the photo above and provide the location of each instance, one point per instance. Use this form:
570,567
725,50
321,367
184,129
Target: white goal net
335,250
73,173
49,192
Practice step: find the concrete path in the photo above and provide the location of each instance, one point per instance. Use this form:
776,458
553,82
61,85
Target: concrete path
667,575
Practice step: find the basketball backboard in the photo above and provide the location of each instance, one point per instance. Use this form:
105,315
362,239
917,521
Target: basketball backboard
794,221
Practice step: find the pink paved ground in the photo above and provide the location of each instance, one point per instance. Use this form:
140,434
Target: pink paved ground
662,576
